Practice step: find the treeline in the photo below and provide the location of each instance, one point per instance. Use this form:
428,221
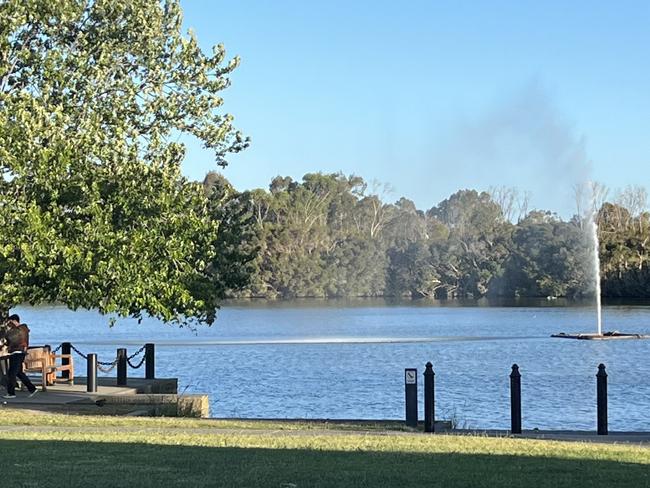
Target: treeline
329,235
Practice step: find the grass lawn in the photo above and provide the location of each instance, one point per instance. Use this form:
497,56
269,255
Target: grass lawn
54,450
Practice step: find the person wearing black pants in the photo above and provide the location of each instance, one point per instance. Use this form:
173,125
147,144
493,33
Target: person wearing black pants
17,342
16,371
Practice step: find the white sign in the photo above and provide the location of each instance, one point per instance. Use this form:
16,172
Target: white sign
411,376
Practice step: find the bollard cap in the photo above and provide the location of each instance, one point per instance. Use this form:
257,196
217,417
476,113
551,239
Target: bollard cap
515,371
601,371
428,369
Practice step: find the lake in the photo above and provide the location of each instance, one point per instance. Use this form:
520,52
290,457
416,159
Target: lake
342,359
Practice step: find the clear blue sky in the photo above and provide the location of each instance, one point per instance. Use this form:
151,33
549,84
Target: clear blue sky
435,96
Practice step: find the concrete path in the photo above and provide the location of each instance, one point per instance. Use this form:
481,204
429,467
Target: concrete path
642,438
64,394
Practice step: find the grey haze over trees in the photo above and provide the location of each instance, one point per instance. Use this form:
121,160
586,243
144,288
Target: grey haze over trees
332,236
94,210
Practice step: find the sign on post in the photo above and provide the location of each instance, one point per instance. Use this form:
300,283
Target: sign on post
411,389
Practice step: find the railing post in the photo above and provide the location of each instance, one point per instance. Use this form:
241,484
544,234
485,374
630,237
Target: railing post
429,399
91,373
66,349
121,367
515,400
149,361
411,392
601,394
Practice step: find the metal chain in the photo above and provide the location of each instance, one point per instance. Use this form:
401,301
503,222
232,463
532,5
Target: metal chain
107,363
135,353
110,368
110,365
136,366
85,356
99,363
58,348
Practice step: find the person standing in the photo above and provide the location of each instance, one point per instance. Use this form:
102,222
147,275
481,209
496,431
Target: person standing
17,343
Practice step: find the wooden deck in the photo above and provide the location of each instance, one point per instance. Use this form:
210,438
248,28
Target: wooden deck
158,397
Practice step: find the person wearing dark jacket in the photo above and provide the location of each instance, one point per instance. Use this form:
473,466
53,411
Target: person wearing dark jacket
17,338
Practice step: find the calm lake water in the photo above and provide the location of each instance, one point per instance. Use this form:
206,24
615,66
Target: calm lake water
346,359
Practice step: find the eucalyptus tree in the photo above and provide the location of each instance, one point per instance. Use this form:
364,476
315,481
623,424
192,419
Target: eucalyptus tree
412,272
94,210
624,238
548,258
477,246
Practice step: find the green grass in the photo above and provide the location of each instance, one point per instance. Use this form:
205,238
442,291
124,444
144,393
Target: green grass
17,417
57,450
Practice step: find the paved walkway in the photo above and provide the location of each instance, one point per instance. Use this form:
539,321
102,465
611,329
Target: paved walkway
565,435
64,394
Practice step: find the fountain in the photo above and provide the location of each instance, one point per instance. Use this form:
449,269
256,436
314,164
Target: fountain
593,227
599,335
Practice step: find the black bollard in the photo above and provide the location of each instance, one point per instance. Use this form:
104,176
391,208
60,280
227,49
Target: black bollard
411,392
601,396
515,400
121,367
429,399
149,361
66,350
91,373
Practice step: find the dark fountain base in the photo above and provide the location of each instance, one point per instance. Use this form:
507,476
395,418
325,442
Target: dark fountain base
601,337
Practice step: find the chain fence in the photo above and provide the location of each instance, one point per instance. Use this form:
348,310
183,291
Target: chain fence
103,369
108,366
85,356
136,353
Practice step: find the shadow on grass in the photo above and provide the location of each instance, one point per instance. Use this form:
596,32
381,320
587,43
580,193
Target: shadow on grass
72,464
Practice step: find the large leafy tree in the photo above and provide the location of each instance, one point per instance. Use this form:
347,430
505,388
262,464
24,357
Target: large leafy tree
624,235
477,245
549,257
94,211
237,243
317,237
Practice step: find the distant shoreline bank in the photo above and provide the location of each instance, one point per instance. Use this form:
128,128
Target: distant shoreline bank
448,302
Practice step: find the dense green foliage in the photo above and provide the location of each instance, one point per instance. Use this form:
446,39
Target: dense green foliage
328,236
624,235
94,211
